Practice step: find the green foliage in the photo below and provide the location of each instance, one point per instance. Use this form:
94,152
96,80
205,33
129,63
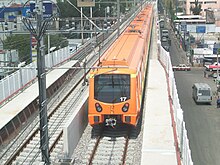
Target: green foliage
58,41
218,50
67,10
191,52
22,42
197,9
172,13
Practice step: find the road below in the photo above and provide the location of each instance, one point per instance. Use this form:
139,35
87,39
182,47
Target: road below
203,120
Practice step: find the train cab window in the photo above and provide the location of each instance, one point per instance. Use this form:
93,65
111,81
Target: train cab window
112,88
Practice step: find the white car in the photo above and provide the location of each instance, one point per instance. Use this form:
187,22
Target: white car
181,67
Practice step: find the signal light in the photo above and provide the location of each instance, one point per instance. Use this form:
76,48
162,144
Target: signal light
98,107
125,107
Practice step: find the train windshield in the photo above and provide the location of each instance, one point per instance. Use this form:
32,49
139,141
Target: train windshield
112,88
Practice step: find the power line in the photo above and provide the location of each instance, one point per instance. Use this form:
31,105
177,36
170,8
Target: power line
6,6
83,15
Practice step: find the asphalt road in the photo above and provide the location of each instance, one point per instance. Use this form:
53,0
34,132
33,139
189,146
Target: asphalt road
203,120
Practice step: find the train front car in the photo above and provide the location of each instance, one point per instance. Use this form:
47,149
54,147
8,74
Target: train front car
115,91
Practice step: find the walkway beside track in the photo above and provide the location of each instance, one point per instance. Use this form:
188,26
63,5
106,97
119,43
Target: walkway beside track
158,137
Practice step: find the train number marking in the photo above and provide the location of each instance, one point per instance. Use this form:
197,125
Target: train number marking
123,99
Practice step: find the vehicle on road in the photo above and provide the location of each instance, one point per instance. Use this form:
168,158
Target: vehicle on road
202,93
215,75
181,67
165,33
161,22
164,39
213,66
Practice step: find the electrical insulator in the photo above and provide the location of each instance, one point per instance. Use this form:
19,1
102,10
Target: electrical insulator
15,24
6,25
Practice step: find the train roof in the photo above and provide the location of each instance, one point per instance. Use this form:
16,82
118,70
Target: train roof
127,48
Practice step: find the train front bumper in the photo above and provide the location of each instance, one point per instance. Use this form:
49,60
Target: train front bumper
99,119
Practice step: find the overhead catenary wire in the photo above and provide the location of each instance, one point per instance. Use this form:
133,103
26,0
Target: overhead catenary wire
6,6
83,15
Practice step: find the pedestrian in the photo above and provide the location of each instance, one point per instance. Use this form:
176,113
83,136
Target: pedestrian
205,74
218,102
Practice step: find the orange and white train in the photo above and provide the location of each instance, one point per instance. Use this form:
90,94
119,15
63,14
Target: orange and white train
116,86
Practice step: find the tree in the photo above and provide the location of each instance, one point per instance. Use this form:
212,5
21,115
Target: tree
67,10
172,14
197,9
21,42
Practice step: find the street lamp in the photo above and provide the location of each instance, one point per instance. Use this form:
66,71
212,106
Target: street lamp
217,79
217,66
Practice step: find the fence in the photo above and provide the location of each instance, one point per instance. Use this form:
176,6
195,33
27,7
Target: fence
183,140
14,83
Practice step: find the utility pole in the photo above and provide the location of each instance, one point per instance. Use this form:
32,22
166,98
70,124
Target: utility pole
44,140
217,79
38,32
82,27
118,16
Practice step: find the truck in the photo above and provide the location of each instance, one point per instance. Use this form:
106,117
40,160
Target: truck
202,93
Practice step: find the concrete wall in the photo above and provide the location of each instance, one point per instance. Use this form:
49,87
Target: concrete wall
75,126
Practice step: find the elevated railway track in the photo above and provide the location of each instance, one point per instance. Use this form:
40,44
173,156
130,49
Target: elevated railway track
24,149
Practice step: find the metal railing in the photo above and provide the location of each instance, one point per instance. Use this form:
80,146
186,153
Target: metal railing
24,76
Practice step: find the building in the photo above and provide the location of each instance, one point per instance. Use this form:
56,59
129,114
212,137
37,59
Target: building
205,4
210,9
7,3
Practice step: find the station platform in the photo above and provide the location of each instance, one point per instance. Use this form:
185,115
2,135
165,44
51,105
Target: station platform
10,113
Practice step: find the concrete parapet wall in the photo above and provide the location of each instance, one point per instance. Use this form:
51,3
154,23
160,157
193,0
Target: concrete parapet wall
74,128
180,129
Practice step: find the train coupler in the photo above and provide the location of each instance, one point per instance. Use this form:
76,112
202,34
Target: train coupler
110,122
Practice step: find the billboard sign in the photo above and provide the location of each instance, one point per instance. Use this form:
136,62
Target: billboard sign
47,8
200,29
85,3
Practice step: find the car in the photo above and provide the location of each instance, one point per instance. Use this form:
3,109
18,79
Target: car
181,67
165,33
164,39
215,75
213,66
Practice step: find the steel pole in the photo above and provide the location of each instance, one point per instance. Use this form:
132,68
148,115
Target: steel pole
81,25
217,79
48,43
44,140
91,19
118,16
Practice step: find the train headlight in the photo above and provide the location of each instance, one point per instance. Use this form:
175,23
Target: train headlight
125,107
98,107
